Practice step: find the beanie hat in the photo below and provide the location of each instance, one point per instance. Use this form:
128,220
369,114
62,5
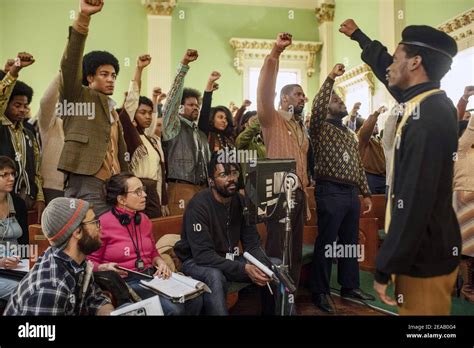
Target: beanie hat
61,218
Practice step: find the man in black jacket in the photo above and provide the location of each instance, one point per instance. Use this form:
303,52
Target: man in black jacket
423,244
212,229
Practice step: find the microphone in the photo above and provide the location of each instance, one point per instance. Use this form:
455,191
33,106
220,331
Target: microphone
291,184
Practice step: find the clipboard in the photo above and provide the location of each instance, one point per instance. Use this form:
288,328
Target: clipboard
136,273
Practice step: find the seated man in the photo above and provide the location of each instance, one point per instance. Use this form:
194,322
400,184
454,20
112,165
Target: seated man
57,284
209,245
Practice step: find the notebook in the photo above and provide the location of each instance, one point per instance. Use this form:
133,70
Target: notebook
178,287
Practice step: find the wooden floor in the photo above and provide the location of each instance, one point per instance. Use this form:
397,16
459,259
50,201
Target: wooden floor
249,304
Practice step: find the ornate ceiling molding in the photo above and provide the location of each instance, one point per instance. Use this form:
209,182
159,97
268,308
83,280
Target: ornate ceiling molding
460,27
250,49
325,13
290,4
159,7
360,73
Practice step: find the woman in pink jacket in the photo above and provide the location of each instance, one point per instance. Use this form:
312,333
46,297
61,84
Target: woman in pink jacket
127,242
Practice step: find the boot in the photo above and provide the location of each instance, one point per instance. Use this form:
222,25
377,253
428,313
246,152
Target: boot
467,273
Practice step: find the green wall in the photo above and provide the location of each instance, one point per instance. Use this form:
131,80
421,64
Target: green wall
434,12
41,28
365,13
208,28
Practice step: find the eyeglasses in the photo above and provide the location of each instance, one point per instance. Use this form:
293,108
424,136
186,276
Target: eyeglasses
96,222
233,173
7,174
139,191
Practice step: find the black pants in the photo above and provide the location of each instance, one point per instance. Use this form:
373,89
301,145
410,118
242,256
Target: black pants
377,183
276,233
338,216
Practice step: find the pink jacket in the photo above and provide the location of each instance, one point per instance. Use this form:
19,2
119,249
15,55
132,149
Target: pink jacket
117,245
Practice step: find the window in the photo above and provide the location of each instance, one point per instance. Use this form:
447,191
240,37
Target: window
285,77
357,85
460,76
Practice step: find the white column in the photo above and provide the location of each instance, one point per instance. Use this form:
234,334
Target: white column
159,47
391,23
159,43
325,17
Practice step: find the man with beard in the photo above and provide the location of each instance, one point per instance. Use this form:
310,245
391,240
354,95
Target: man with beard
212,229
186,146
57,284
284,136
422,249
339,176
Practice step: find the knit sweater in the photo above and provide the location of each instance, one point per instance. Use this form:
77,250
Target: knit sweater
336,150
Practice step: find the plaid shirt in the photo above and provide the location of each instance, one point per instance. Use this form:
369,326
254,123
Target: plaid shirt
51,288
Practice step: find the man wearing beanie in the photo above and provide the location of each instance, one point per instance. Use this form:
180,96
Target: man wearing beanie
58,284
421,251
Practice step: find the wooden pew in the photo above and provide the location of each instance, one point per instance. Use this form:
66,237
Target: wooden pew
36,237
32,217
368,238
166,225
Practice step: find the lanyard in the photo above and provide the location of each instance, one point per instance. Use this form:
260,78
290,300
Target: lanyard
136,246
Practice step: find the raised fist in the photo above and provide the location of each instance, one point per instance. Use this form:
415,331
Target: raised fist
283,40
8,65
156,92
338,70
143,61
348,27
90,7
161,97
246,103
215,75
22,60
381,109
190,56
468,91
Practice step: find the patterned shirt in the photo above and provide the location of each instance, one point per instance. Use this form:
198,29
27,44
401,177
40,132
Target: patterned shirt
19,139
53,287
171,117
6,88
336,149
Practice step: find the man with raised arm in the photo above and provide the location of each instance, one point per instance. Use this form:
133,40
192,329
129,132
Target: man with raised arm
340,177
422,248
186,146
285,136
94,148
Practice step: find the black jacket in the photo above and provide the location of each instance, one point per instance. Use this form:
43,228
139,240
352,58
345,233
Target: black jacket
423,239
